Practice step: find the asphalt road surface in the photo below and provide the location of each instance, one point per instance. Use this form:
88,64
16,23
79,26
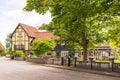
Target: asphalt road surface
21,70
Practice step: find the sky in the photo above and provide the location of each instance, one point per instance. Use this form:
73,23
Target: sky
11,14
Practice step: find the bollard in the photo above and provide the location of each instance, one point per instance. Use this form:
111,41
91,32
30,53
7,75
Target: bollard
52,61
91,61
62,61
75,61
112,62
112,65
91,64
69,61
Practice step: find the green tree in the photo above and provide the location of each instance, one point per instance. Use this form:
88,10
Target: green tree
78,21
114,30
2,48
44,26
114,36
40,47
8,42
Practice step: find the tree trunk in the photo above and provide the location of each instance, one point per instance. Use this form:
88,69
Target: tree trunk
84,45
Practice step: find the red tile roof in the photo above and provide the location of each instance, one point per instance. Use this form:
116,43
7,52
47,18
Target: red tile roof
43,35
33,32
29,29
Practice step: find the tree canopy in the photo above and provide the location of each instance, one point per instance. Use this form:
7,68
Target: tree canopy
114,30
2,48
8,42
77,21
39,47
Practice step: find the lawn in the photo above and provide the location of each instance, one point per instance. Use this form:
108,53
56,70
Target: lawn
105,61
117,61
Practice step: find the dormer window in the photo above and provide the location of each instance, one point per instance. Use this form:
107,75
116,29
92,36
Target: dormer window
19,33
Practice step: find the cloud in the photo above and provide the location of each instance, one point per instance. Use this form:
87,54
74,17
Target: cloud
11,14
30,18
6,5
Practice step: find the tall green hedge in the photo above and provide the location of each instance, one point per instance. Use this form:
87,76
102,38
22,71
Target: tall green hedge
40,47
18,54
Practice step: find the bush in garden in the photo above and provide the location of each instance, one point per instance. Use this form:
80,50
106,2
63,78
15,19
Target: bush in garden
18,54
3,53
11,56
40,47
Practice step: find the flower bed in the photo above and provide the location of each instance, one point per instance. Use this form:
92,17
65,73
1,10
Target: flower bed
37,60
19,58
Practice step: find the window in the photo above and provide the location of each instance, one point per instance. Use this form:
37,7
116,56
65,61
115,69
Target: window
20,46
19,33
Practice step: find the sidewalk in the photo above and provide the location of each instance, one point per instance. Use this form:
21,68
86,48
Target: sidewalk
113,74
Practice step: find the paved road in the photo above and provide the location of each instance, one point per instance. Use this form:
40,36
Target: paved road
20,70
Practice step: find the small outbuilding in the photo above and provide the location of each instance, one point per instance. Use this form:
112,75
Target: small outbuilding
60,51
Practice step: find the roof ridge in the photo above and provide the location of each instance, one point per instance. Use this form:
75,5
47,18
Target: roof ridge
27,25
42,35
44,32
30,30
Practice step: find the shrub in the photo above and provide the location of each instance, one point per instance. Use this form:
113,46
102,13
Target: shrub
71,54
12,57
40,47
18,54
3,53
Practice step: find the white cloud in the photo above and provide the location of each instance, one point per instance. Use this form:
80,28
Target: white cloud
11,14
30,18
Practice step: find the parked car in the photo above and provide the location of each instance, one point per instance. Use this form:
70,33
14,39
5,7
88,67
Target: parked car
7,55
